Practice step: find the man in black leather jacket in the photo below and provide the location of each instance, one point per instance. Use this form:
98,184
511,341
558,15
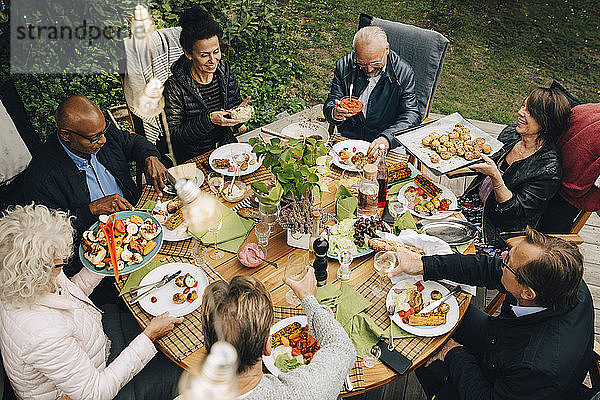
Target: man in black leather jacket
383,82
540,345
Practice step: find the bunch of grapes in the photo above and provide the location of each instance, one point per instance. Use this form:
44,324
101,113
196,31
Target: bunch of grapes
364,229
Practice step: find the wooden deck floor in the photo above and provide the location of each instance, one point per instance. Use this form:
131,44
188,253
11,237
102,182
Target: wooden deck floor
407,387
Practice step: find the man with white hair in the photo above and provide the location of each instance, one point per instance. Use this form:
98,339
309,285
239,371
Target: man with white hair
385,85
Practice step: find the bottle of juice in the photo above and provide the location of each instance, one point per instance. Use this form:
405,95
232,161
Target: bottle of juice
368,191
382,177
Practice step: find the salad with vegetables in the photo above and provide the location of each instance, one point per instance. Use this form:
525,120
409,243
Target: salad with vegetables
293,346
353,234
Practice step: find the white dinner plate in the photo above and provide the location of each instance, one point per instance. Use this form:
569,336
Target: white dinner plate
268,360
426,331
177,234
164,295
446,194
301,130
351,144
227,151
170,188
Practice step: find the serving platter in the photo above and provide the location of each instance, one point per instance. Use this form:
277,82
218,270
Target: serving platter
301,130
446,194
227,151
353,146
453,231
129,268
426,331
173,235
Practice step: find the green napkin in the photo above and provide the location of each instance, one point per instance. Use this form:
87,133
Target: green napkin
396,188
345,204
327,295
136,277
232,234
363,331
148,205
462,247
405,221
349,304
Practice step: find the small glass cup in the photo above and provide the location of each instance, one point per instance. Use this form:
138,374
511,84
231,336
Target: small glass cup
215,182
397,208
268,213
344,273
294,269
262,230
369,360
198,252
384,262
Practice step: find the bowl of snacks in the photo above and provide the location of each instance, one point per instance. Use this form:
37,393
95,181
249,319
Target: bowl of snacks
352,104
234,193
241,113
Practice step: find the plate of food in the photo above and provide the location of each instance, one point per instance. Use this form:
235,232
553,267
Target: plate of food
410,296
301,130
353,234
170,216
183,171
449,143
221,160
180,296
351,155
428,200
138,237
292,345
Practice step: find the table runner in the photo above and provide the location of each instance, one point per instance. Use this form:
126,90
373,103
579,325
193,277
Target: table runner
410,347
186,337
356,373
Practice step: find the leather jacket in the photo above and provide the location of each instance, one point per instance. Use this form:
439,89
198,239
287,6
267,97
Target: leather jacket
392,105
533,182
192,131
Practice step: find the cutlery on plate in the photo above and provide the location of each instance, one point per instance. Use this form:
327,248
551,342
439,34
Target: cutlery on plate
391,309
348,384
137,288
156,286
436,303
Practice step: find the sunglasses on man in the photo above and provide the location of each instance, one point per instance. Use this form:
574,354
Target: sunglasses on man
94,139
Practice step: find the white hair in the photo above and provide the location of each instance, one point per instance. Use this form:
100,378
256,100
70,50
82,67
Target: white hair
32,238
370,34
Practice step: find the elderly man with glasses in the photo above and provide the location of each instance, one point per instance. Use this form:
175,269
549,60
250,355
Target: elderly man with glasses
84,168
538,347
385,85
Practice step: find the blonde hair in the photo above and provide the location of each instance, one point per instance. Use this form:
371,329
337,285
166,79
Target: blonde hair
32,238
370,34
240,313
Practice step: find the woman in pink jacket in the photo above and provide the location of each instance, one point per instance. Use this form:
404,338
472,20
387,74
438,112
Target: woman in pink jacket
52,338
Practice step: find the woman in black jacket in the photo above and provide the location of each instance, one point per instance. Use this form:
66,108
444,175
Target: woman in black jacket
201,88
516,184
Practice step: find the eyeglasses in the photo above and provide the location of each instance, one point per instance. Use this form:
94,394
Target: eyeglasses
374,64
505,260
94,139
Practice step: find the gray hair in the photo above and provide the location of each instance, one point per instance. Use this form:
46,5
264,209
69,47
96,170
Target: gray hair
32,238
370,34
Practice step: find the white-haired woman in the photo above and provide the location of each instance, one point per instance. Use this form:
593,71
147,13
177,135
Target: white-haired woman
51,335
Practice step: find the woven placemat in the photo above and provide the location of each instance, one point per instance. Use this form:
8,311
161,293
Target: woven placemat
186,337
356,373
410,347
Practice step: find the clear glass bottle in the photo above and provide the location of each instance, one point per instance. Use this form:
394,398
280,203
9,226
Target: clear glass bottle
382,177
368,190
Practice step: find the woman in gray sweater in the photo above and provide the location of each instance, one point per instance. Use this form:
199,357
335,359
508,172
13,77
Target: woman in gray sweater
245,314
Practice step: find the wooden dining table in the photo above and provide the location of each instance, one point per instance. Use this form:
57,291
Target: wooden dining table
184,345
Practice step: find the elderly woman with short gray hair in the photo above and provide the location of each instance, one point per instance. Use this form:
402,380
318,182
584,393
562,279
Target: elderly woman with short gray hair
52,338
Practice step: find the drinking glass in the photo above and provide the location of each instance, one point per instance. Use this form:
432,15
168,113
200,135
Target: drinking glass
268,213
198,252
396,208
214,228
262,231
215,182
294,269
345,258
369,360
384,262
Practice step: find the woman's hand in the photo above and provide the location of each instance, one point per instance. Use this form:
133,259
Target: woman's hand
221,118
161,325
488,167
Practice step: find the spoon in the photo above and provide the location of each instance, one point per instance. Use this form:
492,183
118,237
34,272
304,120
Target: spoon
351,87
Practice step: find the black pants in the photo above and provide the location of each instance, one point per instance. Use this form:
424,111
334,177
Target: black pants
158,379
558,217
471,333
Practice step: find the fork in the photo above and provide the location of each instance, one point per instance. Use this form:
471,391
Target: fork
137,288
391,309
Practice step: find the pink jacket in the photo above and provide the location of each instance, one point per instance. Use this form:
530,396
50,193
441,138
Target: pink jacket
55,347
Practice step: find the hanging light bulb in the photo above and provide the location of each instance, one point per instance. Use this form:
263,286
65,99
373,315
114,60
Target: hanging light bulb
141,24
216,379
151,102
200,209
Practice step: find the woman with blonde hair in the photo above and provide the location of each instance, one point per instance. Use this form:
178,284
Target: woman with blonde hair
51,335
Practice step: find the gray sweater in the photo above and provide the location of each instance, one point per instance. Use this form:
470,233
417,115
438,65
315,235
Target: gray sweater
323,378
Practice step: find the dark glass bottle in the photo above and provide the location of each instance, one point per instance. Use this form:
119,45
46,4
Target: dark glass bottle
320,247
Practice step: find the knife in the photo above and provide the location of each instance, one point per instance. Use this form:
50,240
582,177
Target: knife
436,303
156,286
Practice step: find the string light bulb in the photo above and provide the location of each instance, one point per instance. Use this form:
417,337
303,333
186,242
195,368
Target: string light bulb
201,210
141,24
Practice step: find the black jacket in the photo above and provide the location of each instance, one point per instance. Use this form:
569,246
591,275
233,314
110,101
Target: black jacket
192,131
53,179
539,356
533,181
392,105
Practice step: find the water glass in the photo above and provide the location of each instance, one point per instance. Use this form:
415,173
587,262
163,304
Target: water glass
369,360
268,213
262,231
217,254
344,273
198,252
397,208
294,269
384,262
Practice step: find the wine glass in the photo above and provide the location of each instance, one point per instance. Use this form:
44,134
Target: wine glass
294,269
214,228
384,262
397,208
215,182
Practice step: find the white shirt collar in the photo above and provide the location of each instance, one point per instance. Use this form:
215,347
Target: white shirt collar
521,311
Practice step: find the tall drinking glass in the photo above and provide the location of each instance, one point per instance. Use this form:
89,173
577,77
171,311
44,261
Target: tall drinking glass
268,213
262,231
214,228
294,269
384,262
